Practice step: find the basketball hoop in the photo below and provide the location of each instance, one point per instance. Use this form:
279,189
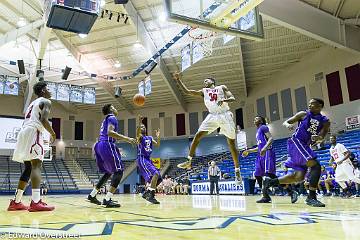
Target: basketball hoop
203,38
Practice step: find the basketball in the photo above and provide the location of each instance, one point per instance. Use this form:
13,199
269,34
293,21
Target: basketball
139,100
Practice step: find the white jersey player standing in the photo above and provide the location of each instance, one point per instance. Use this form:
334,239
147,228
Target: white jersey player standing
345,170
216,100
30,151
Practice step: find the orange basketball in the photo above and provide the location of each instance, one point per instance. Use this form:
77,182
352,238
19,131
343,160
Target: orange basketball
139,100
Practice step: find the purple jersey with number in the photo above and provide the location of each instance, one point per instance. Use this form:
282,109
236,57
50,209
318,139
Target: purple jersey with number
299,144
310,125
264,164
109,119
261,138
108,158
145,164
324,175
145,146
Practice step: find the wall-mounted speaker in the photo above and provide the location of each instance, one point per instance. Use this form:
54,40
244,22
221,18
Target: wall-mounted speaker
40,75
66,73
21,66
151,67
118,91
121,1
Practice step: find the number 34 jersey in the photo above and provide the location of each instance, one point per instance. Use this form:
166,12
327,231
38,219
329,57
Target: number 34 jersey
211,98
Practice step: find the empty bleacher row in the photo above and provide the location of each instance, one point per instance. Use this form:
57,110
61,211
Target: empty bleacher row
90,168
350,139
54,173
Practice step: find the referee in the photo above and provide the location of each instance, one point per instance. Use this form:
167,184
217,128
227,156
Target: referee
214,175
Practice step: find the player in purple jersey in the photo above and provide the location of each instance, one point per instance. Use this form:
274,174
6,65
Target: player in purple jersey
312,127
265,164
323,177
146,167
330,180
108,156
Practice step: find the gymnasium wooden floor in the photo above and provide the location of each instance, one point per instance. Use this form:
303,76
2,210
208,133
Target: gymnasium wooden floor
186,217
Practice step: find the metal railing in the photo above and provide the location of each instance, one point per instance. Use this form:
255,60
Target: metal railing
6,184
78,169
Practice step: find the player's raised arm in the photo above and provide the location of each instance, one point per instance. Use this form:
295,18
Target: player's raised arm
45,107
294,119
138,129
117,136
157,141
184,88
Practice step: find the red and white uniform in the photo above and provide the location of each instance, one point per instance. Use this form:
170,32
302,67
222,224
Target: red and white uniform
30,143
219,116
344,171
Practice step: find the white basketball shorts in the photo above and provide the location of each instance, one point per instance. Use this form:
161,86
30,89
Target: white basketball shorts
224,121
345,172
29,145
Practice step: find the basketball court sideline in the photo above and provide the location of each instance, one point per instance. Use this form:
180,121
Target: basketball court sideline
188,217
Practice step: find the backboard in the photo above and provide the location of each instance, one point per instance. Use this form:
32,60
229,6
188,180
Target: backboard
234,17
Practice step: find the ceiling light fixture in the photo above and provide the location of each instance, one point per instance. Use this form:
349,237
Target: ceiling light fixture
137,45
162,17
82,35
21,22
117,64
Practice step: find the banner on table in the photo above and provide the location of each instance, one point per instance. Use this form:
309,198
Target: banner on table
225,187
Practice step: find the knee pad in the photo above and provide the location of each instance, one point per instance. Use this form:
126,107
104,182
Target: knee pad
25,176
116,178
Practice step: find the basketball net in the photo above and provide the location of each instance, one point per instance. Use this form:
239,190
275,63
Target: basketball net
204,39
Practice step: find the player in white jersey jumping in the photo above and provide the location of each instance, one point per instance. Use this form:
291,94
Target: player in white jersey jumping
30,151
345,170
216,99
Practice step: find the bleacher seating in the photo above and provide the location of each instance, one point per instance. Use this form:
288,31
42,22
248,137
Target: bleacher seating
55,173
350,139
59,178
90,168
199,165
